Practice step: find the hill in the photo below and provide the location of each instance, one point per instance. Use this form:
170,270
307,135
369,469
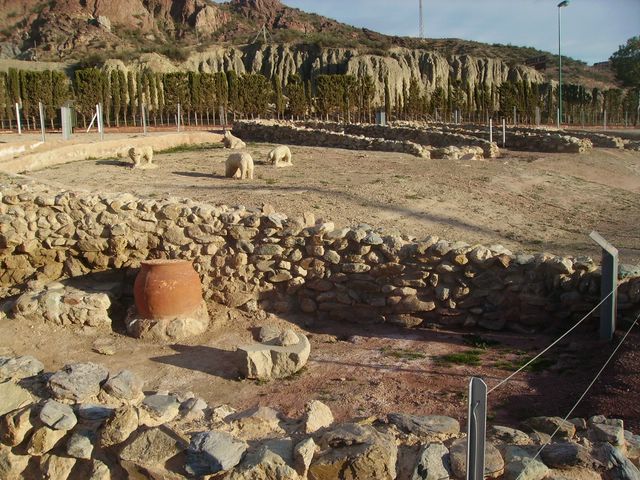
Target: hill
90,31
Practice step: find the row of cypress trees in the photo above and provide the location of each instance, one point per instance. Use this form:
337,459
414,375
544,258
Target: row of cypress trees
205,97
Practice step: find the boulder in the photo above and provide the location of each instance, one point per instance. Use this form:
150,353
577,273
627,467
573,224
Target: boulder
80,445
432,427
618,466
13,397
126,386
19,367
549,425
521,465
268,361
57,415
43,440
352,451
152,447
212,452
78,382
158,409
15,426
264,464
433,463
493,465
317,416
303,453
56,467
566,454
11,465
119,427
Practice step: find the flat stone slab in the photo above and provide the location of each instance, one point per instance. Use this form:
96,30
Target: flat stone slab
78,381
58,415
426,426
272,361
212,452
12,397
19,367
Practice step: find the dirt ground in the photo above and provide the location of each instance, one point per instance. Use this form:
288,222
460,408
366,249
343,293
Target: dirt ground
525,201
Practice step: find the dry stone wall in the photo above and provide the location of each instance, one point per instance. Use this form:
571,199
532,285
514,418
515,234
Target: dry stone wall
84,422
259,258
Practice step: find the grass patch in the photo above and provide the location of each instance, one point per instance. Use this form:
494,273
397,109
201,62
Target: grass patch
402,353
476,341
191,148
539,365
470,357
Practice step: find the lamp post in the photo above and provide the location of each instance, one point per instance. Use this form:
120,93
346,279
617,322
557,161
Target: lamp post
562,4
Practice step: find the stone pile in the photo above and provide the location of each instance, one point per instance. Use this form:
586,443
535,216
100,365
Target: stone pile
83,422
258,258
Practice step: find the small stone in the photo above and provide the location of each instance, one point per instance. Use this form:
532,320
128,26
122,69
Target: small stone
80,445
437,427
159,409
372,238
152,447
12,397
318,415
119,427
43,440
78,382
93,411
126,385
494,463
212,452
58,415
99,471
104,346
55,467
303,454
19,367
433,463
14,426
549,425
520,464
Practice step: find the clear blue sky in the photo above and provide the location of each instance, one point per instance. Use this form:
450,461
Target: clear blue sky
591,29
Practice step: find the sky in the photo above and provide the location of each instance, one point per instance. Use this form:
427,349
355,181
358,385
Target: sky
591,29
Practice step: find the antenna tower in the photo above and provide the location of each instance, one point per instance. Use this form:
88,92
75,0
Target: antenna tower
421,20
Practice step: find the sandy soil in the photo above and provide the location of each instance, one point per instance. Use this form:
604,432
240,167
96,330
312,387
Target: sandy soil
525,201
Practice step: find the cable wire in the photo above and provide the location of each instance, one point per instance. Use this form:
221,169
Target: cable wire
584,394
554,343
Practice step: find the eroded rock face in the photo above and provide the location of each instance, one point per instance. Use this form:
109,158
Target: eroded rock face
273,361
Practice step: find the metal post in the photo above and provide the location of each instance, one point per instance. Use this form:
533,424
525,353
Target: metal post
476,428
100,121
18,119
65,115
608,283
504,133
144,119
41,109
178,118
491,130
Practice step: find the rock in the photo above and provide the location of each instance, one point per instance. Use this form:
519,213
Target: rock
13,397
15,426
433,463
618,466
78,382
158,409
119,427
633,446
54,467
257,423
352,451
43,440
19,367
520,464
303,453
58,415
613,434
92,411
126,385
493,466
405,320
266,361
566,454
267,463
212,452
104,346
317,416
549,425
152,447
99,471
11,465
506,435
80,445
432,427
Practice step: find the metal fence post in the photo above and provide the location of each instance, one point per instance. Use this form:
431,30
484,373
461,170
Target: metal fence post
18,119
99,120
144,119
41,109
67,125
608,283
476,428
178,118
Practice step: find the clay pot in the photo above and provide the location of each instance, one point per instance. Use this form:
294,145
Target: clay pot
166,289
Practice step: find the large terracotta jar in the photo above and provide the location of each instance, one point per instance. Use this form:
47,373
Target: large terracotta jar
166,289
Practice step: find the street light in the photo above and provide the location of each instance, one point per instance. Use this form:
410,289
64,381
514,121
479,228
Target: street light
564,3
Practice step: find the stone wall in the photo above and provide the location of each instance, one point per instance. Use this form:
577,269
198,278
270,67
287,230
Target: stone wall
363,137
84,422
247,255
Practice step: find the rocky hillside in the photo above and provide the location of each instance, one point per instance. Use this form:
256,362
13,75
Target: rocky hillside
203,35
